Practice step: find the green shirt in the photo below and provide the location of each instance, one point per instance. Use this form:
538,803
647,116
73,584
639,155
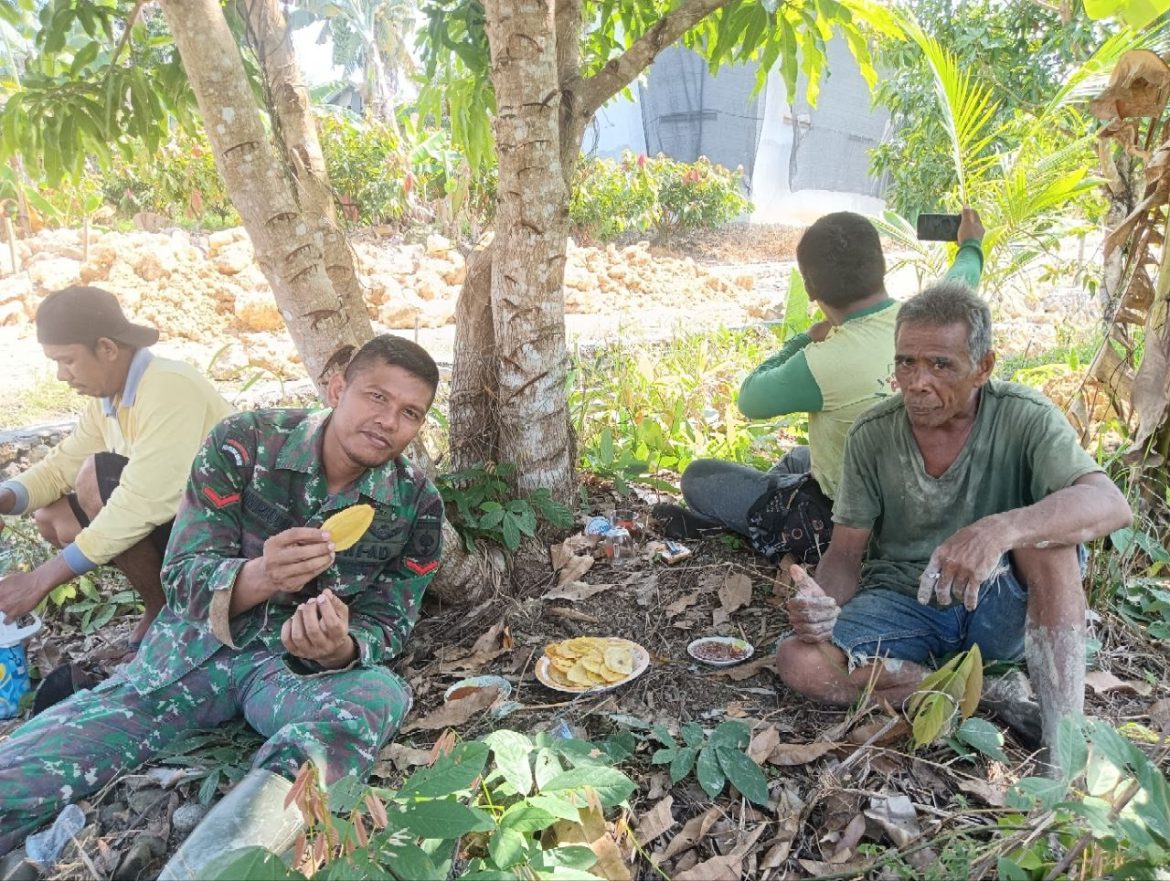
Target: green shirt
1020,450
837,380
258,474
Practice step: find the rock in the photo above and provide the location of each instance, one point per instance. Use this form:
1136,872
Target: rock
145,800
437,244
430,285
12,314
153,265
187,817
258,313
222,238
143,853
456,275
437,313
399,313
233,259
747,281
54,273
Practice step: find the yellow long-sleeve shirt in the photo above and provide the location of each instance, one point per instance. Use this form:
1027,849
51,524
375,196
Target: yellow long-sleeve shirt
157,422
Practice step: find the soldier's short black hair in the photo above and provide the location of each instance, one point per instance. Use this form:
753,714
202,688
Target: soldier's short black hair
841,259
397,352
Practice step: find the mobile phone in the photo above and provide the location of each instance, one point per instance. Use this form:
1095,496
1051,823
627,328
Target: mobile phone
938,227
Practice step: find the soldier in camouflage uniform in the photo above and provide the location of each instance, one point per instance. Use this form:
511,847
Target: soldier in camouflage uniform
263,617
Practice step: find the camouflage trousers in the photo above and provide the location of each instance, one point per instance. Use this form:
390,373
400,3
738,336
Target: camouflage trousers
339,721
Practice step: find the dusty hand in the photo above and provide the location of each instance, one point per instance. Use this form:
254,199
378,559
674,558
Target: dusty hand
295,557
970,226
961,564
19,594
819,330
811,612
319,631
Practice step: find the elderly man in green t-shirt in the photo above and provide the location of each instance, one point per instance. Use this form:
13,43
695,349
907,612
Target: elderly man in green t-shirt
962,505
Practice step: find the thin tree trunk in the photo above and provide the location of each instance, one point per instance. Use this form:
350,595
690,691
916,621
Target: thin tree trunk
474,383
287,241
297,129
528,263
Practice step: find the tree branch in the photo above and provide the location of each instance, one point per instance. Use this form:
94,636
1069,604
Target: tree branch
621,71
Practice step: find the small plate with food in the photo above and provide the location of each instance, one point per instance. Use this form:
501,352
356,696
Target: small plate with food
720,651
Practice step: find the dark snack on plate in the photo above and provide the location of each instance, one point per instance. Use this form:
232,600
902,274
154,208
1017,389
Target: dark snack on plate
721,651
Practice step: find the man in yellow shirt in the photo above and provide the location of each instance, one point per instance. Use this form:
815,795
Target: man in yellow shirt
109,492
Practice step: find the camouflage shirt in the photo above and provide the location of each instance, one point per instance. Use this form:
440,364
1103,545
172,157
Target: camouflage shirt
258,474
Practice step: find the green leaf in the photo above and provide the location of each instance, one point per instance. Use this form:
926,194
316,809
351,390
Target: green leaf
572,856
612,786
508,847
405,859
663,736
454,772
442,818
983,736
692,733
744,774
558,807
681,763
512,751
249,864
526,817
346,793
732,734
708,771
546,767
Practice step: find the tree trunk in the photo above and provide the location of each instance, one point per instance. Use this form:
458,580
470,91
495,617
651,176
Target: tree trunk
528,262
474,383
287,239
271,40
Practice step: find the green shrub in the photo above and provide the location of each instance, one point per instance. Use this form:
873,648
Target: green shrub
180,180
367,170
656,194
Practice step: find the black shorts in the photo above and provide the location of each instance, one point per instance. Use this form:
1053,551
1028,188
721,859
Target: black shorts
108,468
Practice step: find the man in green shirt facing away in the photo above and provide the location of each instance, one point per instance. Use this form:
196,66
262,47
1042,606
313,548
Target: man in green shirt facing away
962,504
835,371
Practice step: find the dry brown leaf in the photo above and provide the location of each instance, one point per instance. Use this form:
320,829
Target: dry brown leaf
574,568
455,712
984,791
764,740
655,821
721,868
789,754
1102,681
735,593
1159,713
493,643
863,733
816,868
559,555
400,757
741,672
719,616
610,864
692,832
897,817
575,591
572,615
849,840
682,603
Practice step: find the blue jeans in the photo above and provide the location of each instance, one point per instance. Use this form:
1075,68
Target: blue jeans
883,623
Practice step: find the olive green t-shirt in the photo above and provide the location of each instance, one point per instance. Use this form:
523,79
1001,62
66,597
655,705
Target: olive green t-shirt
1020,450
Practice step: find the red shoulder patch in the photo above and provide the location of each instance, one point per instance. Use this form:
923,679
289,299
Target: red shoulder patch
218,500
421,568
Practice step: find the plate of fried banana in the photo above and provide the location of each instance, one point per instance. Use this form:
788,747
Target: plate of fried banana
591,663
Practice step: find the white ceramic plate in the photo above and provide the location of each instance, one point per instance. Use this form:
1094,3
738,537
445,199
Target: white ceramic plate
641,662
728,641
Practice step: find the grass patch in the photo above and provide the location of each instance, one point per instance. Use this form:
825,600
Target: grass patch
47,400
